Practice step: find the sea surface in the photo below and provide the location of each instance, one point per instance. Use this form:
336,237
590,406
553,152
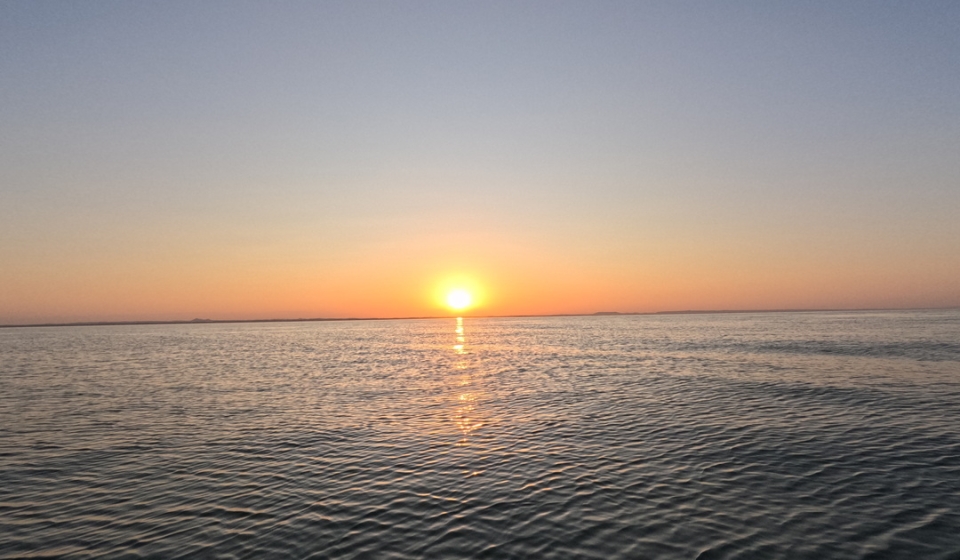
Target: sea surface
774,435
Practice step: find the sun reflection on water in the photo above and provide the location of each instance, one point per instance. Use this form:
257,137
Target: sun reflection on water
465,408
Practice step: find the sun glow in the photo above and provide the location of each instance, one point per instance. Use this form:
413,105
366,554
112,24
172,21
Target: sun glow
458,294
459,300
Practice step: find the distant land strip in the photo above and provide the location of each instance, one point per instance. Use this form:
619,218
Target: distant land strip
597,314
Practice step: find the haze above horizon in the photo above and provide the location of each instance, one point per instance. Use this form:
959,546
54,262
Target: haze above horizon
251,160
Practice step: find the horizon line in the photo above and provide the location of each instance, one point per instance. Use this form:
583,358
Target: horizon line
200,321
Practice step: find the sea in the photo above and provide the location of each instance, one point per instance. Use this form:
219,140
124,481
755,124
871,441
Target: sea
695,436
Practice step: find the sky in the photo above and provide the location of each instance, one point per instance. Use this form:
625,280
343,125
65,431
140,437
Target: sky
250,160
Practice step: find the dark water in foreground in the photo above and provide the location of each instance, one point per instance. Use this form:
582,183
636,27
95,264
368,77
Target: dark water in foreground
795,435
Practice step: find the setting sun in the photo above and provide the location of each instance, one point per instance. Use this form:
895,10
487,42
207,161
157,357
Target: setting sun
459,299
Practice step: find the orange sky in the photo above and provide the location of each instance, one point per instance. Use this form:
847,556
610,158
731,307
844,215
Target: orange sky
506,274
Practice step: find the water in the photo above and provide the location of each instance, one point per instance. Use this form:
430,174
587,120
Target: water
793,435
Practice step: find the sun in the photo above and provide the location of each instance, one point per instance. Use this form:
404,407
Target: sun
459,300
458,293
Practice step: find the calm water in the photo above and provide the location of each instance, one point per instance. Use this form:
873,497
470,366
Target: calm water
794,435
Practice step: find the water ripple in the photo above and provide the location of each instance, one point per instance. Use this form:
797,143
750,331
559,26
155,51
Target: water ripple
753,436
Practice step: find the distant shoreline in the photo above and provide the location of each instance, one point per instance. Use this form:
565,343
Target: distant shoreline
596,314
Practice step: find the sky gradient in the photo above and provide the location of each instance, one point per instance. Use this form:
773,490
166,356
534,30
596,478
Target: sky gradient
172,160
